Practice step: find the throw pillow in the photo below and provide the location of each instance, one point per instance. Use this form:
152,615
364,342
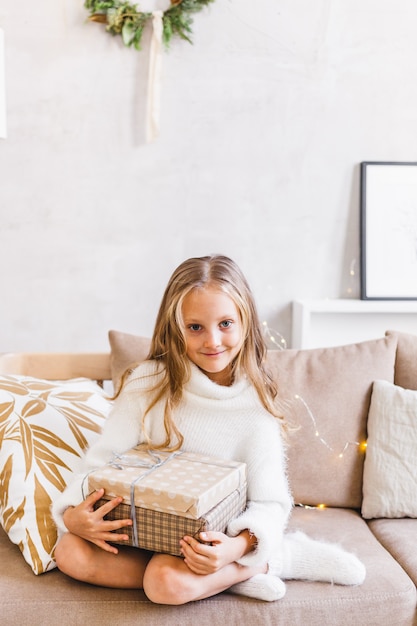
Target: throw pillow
390,472
44,429
126,350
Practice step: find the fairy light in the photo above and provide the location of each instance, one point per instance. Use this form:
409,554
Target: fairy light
310,507
352,274
276,340
361,445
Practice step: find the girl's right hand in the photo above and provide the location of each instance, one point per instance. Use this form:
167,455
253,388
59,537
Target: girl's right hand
85,522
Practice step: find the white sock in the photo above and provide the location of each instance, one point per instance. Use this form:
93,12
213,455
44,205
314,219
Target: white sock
310,559
262,587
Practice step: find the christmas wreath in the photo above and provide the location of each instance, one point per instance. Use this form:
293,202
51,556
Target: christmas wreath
125,19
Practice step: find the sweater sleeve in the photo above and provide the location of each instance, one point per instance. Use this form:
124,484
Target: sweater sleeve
269,500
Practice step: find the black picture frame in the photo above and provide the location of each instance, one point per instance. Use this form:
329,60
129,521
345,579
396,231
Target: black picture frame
388,230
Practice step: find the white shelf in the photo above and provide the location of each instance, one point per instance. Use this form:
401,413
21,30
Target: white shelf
321,323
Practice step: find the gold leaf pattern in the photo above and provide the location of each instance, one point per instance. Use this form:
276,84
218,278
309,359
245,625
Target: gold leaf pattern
80,438
42,453
5,476
3,430
37,564
44,428
13,386
40,385
52,475
46,527
81,416
6,409
26,439
10,515
73,396
48,437
33,407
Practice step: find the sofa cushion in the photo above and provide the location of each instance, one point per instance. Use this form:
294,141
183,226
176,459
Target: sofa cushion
325,394
44,428
406,360
398,536
126,351
387,596
390,472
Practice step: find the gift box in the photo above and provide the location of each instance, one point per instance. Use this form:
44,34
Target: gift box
170,495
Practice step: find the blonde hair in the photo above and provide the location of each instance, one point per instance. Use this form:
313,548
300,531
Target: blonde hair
168,344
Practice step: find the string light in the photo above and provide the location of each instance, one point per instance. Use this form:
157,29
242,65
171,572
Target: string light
312,507
275,339
361,445
317,507
278,342
352,274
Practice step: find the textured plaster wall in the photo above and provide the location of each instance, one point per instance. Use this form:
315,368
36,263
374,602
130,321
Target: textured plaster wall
264,121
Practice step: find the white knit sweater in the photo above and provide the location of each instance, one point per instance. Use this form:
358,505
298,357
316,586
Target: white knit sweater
225,422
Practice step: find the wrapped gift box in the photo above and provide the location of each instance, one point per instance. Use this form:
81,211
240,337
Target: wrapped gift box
170,495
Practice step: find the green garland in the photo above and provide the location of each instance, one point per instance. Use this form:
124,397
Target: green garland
124,18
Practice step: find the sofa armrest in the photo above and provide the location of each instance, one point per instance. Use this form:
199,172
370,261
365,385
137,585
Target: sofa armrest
57,366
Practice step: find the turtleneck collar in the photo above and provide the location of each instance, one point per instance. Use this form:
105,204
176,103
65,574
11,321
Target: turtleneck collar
201,385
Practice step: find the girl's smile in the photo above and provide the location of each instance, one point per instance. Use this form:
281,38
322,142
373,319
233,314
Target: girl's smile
213,332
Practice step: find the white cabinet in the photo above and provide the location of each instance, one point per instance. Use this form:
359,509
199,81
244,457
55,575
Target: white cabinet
320,323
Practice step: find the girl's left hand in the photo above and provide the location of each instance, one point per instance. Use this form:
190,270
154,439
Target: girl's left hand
207,558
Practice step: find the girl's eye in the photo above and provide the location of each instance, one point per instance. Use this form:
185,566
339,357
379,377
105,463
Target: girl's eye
226,324
194,327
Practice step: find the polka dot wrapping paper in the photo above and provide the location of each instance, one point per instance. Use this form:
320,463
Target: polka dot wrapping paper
179,483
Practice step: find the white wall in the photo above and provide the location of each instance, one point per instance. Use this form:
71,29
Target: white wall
264,122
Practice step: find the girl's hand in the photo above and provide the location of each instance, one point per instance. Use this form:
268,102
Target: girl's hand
85,522
204,559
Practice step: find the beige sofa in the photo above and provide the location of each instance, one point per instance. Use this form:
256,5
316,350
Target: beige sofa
326,393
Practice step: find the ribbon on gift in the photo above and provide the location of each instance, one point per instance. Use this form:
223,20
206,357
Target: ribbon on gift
154,78
122,461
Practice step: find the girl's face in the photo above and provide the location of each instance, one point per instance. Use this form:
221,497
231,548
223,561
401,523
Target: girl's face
213,332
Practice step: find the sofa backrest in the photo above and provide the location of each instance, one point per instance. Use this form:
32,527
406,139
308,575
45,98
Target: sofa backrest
325,393
406,359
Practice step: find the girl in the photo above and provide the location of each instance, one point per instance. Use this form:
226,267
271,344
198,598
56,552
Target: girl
203,389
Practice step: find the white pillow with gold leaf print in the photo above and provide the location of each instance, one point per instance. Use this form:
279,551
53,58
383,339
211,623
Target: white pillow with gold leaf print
45,428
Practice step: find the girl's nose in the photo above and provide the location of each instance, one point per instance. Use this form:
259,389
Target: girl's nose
212,339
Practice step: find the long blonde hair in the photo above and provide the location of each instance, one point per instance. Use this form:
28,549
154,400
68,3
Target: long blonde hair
168,345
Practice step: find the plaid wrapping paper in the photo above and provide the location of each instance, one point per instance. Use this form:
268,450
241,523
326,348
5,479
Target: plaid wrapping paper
158,531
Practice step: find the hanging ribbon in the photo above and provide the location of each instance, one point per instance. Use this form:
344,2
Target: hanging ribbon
154,78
